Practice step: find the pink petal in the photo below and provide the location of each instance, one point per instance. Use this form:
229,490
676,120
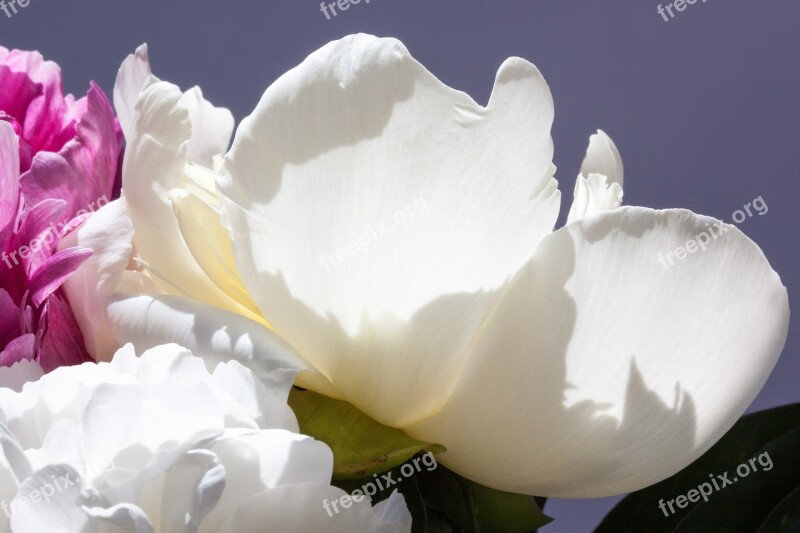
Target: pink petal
9,180
10,323
32,92
83,172
62,342
53,272
17,350
39,232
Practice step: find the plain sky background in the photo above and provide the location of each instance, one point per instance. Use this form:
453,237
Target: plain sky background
705,108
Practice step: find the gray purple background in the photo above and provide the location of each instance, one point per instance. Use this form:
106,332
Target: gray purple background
705,108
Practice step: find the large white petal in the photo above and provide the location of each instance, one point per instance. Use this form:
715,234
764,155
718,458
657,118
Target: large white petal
373,209
606,369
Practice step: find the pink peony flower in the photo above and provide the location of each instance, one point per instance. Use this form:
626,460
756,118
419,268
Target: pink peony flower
58,162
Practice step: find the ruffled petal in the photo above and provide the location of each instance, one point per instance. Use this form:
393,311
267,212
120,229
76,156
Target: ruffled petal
609,367
83,172
155,163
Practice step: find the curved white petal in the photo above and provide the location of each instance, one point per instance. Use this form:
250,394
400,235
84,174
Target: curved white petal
109,233
211,246
602,157
371,240
202,472
599,186
155,164
607,368
211,128
594,194
214,334
264,461
131,79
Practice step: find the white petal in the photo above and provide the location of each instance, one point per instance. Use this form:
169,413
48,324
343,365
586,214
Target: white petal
593,194
194,486
299,507
605,369
214,334
266,460
155,164
131,79
599,186
602,157
371,207
109,233
211,247
125,516
15,376
393,510
31,511
211,128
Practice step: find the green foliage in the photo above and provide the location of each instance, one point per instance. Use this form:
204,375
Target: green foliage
763,500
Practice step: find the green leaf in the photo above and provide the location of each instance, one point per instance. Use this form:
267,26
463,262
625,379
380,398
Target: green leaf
476,508
785,518
441,501
745,504
361,446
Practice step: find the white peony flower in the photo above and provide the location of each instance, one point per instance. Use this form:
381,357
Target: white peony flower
159,443
398,237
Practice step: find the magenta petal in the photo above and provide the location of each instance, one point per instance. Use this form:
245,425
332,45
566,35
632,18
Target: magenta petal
55,271
18,349
83,172
32,92
38,233
62,343
10,320
9,180
23,76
